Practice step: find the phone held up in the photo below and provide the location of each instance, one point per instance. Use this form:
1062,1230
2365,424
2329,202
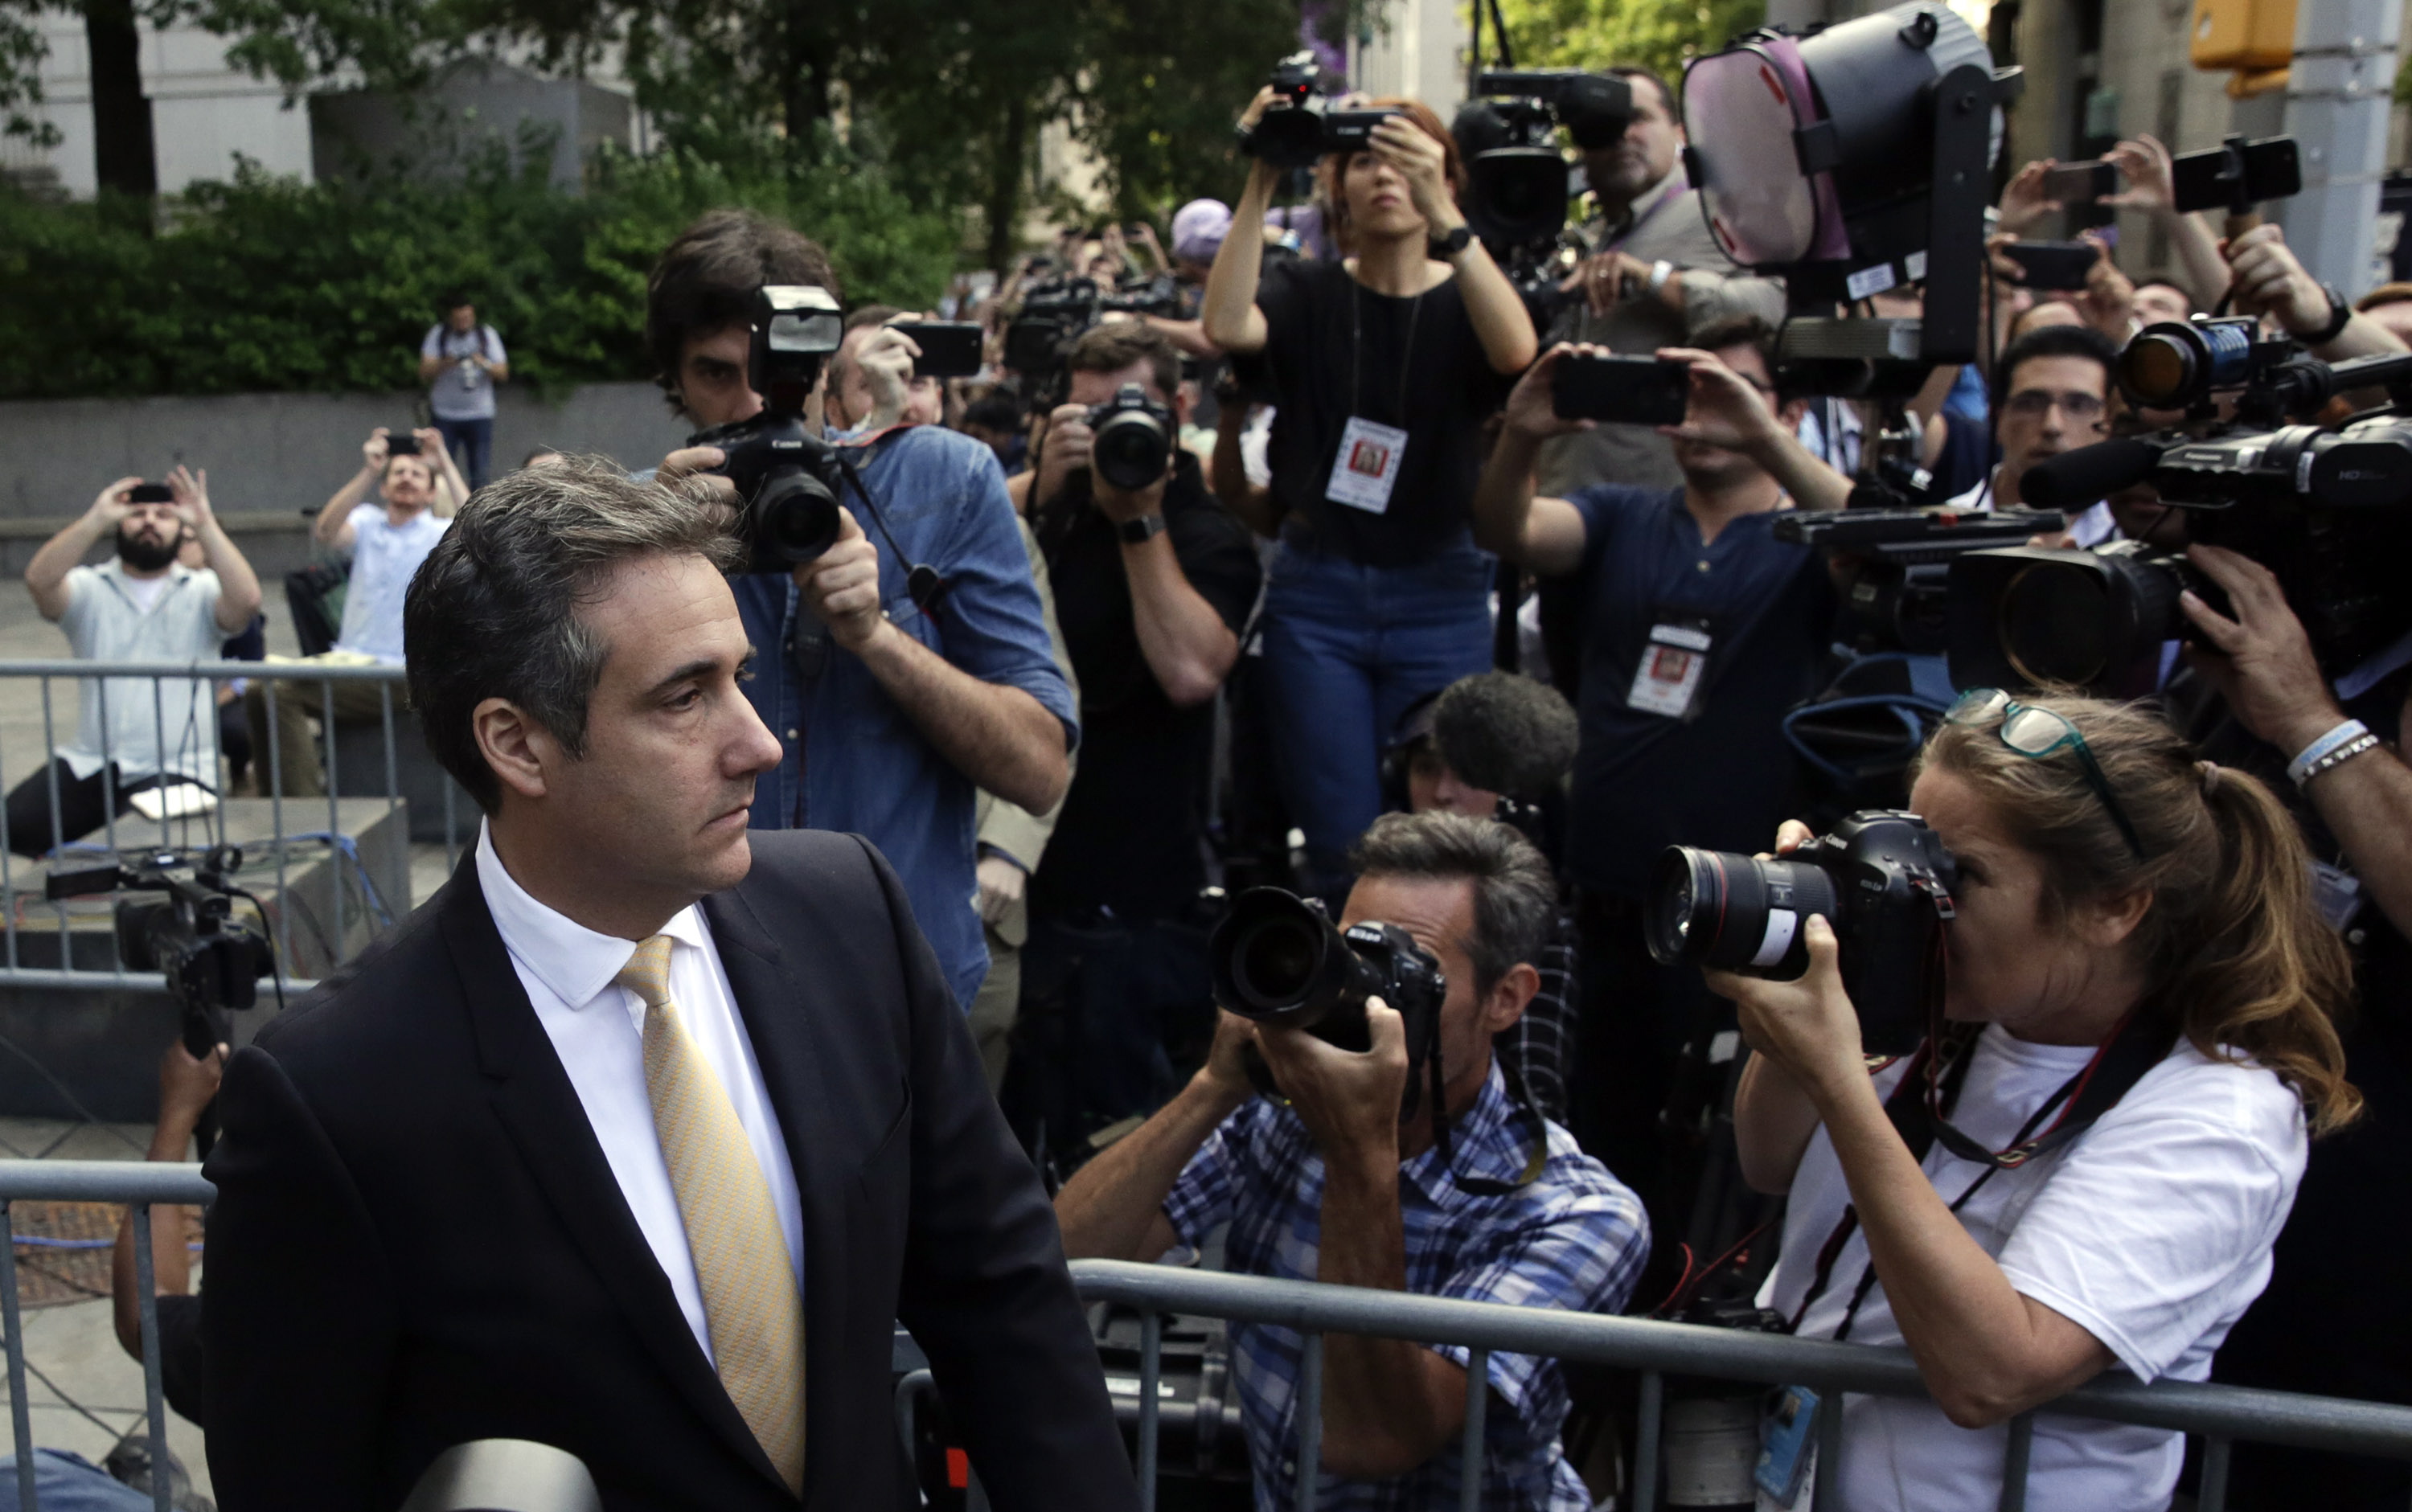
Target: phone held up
1632,390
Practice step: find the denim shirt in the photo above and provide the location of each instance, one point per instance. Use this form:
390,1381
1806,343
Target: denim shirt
870,772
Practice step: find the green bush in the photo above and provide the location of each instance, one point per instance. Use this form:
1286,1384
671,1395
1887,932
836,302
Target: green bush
266,284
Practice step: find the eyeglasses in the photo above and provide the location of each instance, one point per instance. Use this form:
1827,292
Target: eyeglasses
2037,733
2033,403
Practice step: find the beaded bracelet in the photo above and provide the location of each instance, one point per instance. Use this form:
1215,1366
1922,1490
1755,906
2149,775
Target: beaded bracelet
2338,757
2301,767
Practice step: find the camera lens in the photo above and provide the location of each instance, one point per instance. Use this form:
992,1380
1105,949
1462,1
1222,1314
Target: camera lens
2171,366
2086,623
1288,136
795,516
1735,912
1273,961
1130,450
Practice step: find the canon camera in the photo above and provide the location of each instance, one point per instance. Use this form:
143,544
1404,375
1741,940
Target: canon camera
1882,879
787,476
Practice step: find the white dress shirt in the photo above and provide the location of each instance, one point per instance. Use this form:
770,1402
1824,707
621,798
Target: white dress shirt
598,1032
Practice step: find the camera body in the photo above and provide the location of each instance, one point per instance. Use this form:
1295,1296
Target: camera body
212,961
1293,133
787,476
1881,877
1132,439
1897,562
1059,311
1277,959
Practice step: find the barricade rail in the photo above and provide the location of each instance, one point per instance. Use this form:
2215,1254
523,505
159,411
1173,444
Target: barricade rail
2220,1414
195,746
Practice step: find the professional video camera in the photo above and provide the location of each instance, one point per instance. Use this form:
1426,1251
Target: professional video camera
1881,877
1518,183
2327,510
1895,563
788,476
1278,959
1297,130
1131,439
1059,311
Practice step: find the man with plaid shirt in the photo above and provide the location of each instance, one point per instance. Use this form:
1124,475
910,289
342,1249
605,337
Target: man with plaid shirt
1335,1186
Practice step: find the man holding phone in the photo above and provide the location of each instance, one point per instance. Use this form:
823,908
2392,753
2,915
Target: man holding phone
1699,631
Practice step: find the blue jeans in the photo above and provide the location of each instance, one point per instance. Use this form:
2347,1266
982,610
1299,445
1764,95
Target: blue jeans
1347,646
472,445
65,1482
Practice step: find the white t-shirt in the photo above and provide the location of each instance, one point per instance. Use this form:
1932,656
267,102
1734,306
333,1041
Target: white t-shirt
168,726
384,557
2151,1230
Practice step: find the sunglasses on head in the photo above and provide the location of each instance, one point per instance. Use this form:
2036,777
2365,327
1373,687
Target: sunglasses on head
2039,733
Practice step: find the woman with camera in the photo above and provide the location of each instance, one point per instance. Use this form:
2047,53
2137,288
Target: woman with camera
2131,924
1386,365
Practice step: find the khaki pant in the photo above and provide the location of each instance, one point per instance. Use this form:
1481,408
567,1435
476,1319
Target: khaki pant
998,1002
299,701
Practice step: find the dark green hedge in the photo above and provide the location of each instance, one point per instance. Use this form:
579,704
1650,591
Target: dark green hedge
269,285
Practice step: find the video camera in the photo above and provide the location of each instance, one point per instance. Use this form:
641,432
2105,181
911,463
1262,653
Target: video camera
786,476
2327,510
1057,311
1898,561
1881,877
1276,959
1518,183
1295,130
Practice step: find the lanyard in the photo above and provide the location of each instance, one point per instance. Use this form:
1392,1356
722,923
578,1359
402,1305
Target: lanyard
1357,347
1667,191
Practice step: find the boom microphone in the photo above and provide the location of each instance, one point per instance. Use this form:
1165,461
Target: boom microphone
2075,479
1504,733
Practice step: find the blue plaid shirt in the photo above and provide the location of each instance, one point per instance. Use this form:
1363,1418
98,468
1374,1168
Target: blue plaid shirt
1573,1237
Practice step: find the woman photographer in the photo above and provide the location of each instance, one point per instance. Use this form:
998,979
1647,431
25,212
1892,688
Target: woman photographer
1386,365
2111,891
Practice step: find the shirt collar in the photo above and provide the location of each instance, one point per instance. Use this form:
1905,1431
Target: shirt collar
114,569
1646,204
1482,1144
573,961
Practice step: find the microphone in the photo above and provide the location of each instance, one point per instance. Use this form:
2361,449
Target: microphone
1506,734
2075,479
504,1474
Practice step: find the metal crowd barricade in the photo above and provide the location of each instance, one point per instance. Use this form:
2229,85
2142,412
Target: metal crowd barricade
196,745
2220,1414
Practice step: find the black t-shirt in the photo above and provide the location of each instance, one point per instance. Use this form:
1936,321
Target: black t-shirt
183,1368
1720,776
1128,835
1335,349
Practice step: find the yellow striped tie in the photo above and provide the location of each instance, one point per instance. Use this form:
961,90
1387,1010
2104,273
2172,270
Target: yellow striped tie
750,1302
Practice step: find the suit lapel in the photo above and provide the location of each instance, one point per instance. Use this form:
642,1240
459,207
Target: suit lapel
783,1029
533,1097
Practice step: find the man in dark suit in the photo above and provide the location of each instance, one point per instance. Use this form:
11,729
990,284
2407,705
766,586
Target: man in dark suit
637,1137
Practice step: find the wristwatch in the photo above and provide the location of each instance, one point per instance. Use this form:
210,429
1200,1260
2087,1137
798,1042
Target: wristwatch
1659,272
2340,315
1446,247
1142,530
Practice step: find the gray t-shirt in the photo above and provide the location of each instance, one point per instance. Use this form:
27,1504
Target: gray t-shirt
462,391
170,726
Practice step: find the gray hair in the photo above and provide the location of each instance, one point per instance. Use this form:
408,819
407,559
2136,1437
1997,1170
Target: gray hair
493,612
1515,897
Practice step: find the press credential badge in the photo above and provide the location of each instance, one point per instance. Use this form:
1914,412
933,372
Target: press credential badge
1367,468
1672,665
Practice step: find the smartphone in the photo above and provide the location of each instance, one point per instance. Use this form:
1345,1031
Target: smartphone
150,493
2053,264
401,444
1351,131
1633,390
2237,175
949,349
2081,184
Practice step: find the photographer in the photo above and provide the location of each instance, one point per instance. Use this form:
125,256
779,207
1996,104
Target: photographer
1387,365
142,606
1655,277
2121,908
2355,812
1334,1186
1152,587
905,713
386,542
1699,631
460,361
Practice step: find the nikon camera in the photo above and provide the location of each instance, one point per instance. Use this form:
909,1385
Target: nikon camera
1881,877
786,476
1132,443
1276,959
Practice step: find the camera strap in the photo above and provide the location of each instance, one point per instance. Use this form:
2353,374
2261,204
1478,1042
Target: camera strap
923,584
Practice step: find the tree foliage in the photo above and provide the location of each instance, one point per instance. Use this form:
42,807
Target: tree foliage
1658,35
265,283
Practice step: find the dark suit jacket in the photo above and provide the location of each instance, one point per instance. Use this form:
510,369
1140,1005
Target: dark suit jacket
417,1241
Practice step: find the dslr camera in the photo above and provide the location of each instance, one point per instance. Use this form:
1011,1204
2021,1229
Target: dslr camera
1132,439
1882,879
1276,959
787,476
1295,131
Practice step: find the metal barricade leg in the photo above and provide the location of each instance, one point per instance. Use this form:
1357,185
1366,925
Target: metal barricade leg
334,824
1151,1367
2014,1462
2213,1494
1830,1451
1646,1431
20,1412
155,1402
276,827
1310,1421
1469,1454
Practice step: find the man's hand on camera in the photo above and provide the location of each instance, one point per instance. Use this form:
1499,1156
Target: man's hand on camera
2023,201
185,1087
698,462
1807,1026
1226,1071
430,446
841,586
189,499
2107,301
1348,1099
1723,409
373,451
1063,450
2263,665
2270,281
1122,505
1532,412
1419,161
1603,279
2152,182
886,358
111,506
